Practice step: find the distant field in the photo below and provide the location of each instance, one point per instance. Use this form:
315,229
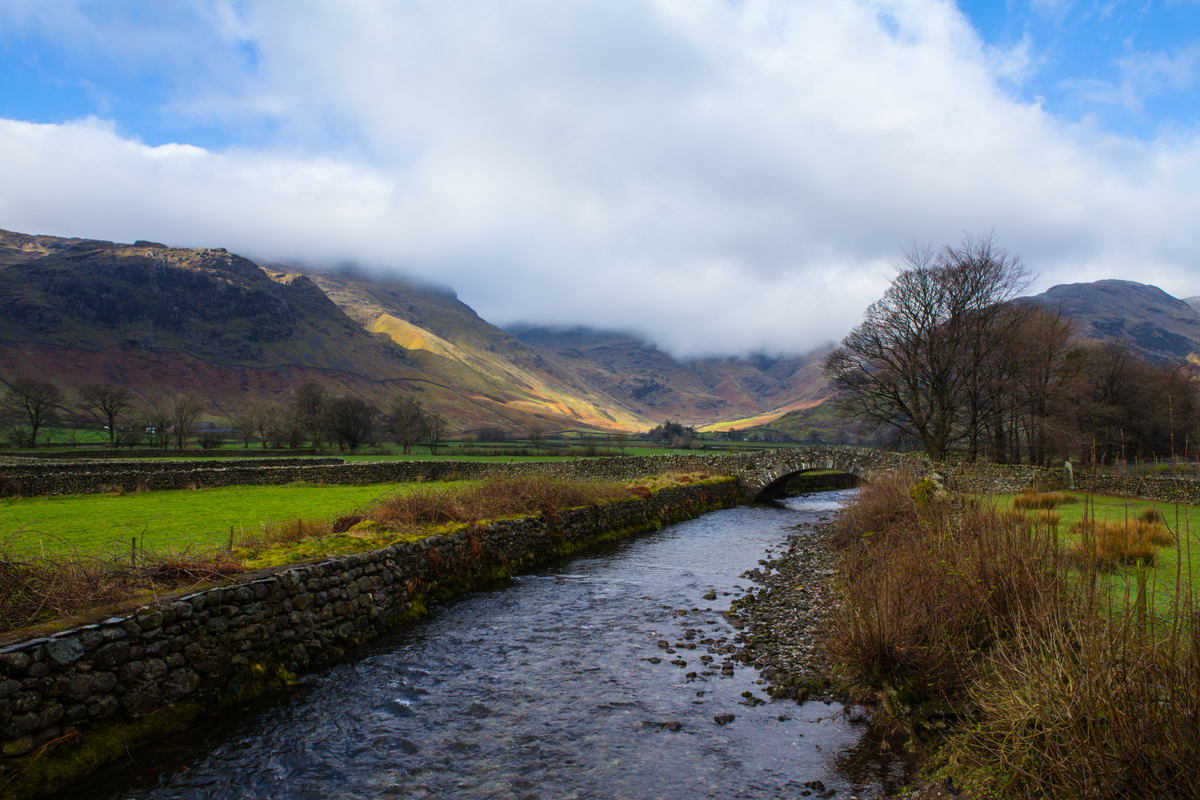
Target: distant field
452,451
176,518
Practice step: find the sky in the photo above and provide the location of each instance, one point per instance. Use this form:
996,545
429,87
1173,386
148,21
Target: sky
720,176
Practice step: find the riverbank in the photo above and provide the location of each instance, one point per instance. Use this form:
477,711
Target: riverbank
80,698
784,622
785,627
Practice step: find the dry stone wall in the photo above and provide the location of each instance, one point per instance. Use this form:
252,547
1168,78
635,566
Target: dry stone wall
153,669
50,478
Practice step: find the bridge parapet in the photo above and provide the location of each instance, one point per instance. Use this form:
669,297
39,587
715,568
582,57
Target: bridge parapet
765,474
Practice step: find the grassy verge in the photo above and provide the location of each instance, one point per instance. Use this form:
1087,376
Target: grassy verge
173,520
975,628
84,574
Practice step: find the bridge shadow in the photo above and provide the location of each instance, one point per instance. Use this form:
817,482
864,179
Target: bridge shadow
805,481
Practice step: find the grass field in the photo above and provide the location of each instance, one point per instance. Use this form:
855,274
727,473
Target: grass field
172,520
1170,562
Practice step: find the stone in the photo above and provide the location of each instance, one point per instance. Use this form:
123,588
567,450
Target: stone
111,655
19,725
48,734
26,701
723,719
64,652
103,681
103,706
673,725
77,688
14,663
141,702
90,639
150,620
130,671
50,715
179,683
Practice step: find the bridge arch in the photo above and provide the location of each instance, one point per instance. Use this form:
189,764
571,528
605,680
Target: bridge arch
765,476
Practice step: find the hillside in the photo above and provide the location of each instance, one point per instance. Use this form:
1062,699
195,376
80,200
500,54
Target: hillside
1160,327
713,393
164,320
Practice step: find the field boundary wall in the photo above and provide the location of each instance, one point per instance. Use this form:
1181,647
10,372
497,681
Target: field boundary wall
138,675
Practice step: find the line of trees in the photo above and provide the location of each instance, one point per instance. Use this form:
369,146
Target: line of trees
949,358
29,408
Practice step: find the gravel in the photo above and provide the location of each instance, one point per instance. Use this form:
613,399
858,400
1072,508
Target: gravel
783,622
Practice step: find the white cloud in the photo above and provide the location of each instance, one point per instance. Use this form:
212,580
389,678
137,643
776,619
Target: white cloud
719,176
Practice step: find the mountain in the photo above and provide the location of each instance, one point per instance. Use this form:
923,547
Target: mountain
713,393
165,319
1160,327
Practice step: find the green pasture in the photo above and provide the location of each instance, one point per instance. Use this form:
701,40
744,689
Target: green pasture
1182,561
173,519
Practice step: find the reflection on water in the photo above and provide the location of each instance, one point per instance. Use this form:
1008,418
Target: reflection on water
540,688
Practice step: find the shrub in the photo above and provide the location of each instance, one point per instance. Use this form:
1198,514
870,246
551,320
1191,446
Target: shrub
34,590
1094,706
1030,498
488,499
925,595
1152,515
1067,689
1117,543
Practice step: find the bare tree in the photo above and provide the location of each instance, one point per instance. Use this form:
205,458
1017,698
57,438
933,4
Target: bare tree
435,431
156,412
309,403
184,411
267,417
536,433
407,421
349,422
621,440
106,402
912,362
290,429
34,401
1042,383
242,421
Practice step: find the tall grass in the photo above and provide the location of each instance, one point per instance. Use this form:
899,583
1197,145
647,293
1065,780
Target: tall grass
1033,499
928,587
1064,688
489,499
62,583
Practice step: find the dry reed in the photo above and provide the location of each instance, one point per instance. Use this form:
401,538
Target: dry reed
489,499
36,590
1068,689
1030,498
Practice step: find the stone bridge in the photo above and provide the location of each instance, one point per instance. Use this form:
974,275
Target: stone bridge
764,475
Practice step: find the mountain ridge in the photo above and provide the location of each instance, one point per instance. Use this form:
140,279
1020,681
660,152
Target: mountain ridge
208,321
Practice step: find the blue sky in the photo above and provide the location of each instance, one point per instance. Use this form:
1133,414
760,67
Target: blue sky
1131,66
761,162
1128,67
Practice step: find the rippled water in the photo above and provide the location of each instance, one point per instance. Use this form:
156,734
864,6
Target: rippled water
539,688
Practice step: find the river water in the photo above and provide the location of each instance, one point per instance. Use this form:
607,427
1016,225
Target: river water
541,687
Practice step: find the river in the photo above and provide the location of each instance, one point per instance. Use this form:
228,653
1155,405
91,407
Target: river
542,687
